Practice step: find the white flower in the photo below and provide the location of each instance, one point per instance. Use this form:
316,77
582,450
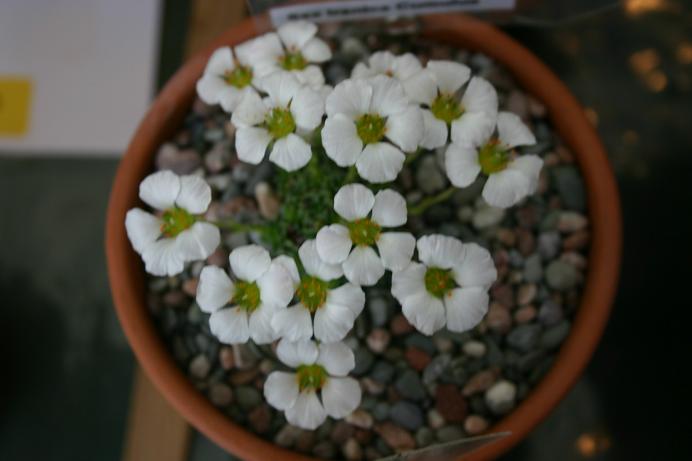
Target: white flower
510,177
176,235
385,63
261,287
362,115
293,49
449,286
290,111
319,369
228,77
437,88
335,309
351,245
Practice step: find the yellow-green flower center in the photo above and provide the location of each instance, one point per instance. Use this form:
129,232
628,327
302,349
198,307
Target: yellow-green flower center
246,295
311,377
446,108
371,128
312,293
438,282
364,232
239,77
280,122
493,157
176,220
293,61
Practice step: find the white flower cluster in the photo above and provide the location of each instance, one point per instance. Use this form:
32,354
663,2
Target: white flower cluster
390,108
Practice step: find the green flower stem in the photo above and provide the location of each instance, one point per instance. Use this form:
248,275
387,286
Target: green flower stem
410,158
426,203
351,176
238,227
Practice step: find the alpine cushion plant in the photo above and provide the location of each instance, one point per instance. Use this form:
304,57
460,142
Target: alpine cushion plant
301,280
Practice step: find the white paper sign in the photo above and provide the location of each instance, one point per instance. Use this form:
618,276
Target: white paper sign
369,9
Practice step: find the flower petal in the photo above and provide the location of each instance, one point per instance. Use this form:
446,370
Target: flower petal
307,108
220,61
249,262
421,88
281,88
380,162
341,396
251,111
477,269
405,129
336,358
333,322
350,98
435,131
194,195
512,131
159,190
480,96
340,140
461,164
276,285
231,97
290,265
251,144
333,243
230,325
425,312
389,209
263,52
291,152
408,281
311,76
381,62
506,188
466,307
353,201
209,88
281,389
316,50
261,330
449,75
314,265
396,249
363,267
297,353
293,323
388,97
440,251
163,257
214,289
531,166
295,34
473,129
307,412
142,228
361,70
405,66
348,295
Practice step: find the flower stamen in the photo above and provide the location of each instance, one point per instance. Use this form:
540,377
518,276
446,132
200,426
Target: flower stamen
246,295
446,108
438,281
239,77
280,122
493,157
371,128
312,293
175,221
364,232
293,60
311,377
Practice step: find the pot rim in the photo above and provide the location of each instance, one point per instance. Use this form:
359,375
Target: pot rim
567,116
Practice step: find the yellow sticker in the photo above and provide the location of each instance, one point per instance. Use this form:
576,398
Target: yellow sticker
15,105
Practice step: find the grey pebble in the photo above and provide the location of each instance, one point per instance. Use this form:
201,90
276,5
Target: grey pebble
562,276
555,335
524,337
410,385
406,415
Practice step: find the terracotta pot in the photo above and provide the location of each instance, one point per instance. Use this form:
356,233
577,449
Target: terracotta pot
165,117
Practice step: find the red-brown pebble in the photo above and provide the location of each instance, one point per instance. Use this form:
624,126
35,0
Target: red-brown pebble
450,403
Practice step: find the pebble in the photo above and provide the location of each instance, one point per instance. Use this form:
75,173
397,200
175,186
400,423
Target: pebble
450,403
501,396
407,415
550,313
577,241
561,275
424,437
400,326
364,360
436,368
571,221
487,216
475,424
417,358
498,318
525,314
268,204
260,419
379,310
533,268
247,397
360,418
435,419
429,177
410,385
398,438
243,356
449,433
382,371
218,158
555,335
479,382
352,450
341,432
199,367
287,436
526,242
226,358
185,161
378,340
381,411
526,294
570,187
324,450
220,394
524,337
549,244
474,348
